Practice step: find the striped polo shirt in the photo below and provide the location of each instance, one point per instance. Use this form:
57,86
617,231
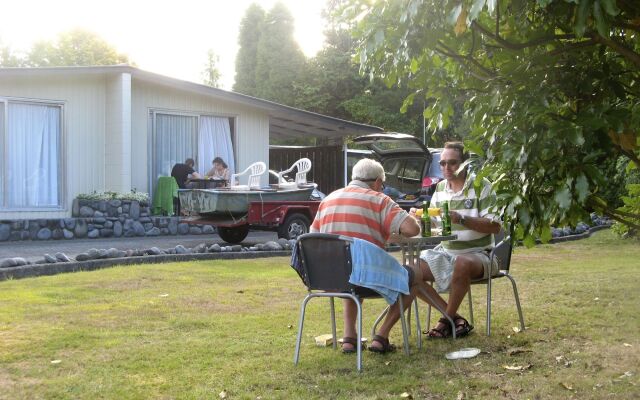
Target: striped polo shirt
466,202
358,211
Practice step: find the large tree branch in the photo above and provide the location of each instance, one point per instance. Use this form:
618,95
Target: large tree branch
627,53
466,59
519,46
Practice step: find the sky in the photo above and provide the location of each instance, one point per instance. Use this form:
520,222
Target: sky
166,37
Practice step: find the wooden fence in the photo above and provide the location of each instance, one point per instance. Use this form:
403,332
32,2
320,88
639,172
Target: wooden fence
327,164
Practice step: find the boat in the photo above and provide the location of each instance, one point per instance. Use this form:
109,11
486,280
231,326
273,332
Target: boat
228,202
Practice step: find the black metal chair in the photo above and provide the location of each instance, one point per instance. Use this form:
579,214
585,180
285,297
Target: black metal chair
502,254
326,264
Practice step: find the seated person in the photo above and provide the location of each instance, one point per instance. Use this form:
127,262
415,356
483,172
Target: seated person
362,211
183,171
220,170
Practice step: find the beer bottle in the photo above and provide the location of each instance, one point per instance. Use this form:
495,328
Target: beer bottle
425,221
446,219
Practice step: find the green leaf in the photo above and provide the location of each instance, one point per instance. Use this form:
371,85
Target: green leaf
610,7
545,234
582,187
581,17
414,65
529,241
601,20
563,198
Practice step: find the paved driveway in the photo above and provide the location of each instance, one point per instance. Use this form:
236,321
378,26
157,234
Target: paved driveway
33,250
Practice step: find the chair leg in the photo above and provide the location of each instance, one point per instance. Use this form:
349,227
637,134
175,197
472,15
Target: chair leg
303,307
470,306
359,336
418,327
333,321
489,287
405,336
517,297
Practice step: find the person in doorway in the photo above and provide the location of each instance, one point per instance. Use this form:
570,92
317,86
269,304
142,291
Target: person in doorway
361,210
453,264
183,171
219,171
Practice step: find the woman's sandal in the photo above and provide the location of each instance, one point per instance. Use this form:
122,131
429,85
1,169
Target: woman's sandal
386,346
352,342
443,332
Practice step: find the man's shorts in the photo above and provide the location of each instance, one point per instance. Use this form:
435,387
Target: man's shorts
441,265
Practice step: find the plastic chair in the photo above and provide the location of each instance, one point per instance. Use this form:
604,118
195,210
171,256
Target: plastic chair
502,254
164,197
326,263
303,166
254,171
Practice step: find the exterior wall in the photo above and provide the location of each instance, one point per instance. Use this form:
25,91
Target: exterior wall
83,134
251,127
118,134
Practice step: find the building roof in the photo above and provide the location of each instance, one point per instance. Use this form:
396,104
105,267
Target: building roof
284,121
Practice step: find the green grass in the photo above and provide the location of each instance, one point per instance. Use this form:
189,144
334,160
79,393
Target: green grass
192,330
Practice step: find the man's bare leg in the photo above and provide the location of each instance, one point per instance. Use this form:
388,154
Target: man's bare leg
350,314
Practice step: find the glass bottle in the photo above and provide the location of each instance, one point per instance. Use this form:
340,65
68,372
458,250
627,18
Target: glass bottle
446,219
425,220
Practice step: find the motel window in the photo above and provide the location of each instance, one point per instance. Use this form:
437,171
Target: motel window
31,148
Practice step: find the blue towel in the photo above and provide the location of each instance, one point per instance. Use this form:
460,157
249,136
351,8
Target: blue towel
376,269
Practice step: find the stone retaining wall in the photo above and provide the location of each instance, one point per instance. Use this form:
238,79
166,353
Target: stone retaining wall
100,219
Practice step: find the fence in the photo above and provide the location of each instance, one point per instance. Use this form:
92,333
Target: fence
327,164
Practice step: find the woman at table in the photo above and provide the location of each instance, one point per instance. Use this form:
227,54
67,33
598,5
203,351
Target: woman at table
220,170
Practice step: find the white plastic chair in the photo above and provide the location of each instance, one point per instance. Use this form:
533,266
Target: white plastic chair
254,171
303,166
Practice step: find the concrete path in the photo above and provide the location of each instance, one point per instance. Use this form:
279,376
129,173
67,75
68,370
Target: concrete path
33,250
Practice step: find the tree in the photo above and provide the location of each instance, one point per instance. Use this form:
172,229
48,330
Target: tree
76,47
550,89
279,58
247,58
211,74
8,58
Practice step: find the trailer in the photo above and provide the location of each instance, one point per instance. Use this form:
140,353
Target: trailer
289,219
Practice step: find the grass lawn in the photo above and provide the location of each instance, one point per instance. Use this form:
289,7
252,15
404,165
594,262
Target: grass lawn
193,330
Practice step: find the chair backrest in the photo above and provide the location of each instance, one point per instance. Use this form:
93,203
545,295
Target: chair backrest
326,261
503,249
254,171
302,166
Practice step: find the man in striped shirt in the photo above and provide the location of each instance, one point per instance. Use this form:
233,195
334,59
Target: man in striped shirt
453,264
361,210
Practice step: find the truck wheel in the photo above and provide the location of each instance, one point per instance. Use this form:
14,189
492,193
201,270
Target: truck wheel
234,234
293,226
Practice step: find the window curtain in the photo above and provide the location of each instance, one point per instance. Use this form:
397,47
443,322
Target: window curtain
214,140
33,155
175,141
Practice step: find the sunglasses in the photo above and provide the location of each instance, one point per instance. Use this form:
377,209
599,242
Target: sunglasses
451,163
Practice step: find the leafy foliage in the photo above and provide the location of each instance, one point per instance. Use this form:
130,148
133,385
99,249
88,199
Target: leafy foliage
550,90
246,60
211,73
133,195
76,47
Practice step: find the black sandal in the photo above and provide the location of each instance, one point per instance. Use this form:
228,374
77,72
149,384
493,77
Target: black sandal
386,346
463,327
351,341
443,332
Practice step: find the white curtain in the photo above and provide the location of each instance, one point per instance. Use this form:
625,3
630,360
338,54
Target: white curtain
175,141
214,140
33,151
